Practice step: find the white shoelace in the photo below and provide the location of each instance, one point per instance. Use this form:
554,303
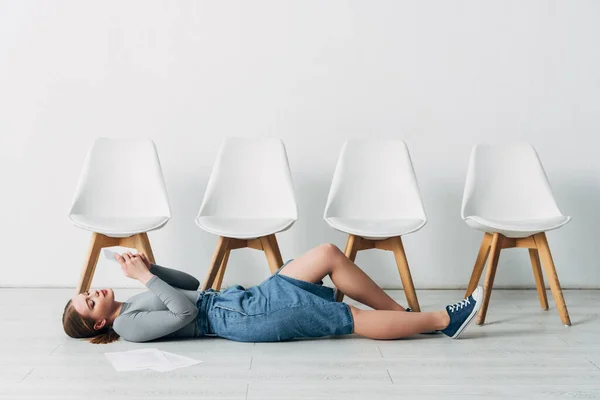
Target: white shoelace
459,305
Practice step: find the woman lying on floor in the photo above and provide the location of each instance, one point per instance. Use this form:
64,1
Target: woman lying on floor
292,303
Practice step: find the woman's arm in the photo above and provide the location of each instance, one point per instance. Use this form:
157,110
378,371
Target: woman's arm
141,326
173,277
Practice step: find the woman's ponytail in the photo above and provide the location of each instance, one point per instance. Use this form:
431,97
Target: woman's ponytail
79,327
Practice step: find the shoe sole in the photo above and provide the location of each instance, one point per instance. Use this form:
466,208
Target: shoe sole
474,312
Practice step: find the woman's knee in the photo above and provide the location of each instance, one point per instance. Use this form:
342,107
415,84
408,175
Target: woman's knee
329,250
324,258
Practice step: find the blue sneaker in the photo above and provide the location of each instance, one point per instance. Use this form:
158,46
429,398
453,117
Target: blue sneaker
462,313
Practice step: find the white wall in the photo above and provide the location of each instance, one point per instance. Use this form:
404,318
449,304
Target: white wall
441,75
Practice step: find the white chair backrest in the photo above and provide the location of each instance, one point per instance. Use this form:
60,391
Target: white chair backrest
121,178
250,179
374,179
507,182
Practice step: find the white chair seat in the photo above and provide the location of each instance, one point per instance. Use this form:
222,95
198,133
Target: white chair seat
376,228
249,192
244,228
374,192
121,192
118,226
507,192
514,228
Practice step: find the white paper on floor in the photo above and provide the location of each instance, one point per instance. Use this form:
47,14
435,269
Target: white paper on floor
152,358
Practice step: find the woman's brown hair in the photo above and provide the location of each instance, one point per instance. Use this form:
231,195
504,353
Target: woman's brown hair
79,327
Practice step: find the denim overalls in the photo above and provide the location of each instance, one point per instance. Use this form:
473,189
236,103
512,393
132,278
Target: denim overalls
278,309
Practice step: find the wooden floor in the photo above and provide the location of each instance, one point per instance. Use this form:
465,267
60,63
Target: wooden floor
521,353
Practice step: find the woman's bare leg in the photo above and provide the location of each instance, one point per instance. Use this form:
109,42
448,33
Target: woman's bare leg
384,324
328,259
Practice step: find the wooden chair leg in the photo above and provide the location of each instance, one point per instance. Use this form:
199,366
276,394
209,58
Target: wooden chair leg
219,280
140,242
407,282
484,250
276,250
548,264
351,249
143,245
490,275
539,278
218,256
271,249
87,272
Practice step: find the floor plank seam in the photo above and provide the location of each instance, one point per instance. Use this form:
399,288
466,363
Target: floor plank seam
380,352
26,375
388,371
54,349
251,358
561,339
591,362
247,387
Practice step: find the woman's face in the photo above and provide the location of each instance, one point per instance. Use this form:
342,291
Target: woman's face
95,304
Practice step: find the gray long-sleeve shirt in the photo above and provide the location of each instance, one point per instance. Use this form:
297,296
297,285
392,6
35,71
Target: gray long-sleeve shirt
168,309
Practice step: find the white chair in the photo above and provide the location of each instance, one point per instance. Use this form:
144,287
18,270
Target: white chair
249,198
375,199
507,195
120,196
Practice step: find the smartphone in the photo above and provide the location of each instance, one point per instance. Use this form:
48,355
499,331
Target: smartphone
109,252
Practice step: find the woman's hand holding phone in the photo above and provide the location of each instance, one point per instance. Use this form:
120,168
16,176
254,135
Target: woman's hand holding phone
135,266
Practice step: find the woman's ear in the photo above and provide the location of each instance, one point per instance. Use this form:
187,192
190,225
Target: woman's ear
100,324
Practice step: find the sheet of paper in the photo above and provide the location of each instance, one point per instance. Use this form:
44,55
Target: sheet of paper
138,359
178,361
150,358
